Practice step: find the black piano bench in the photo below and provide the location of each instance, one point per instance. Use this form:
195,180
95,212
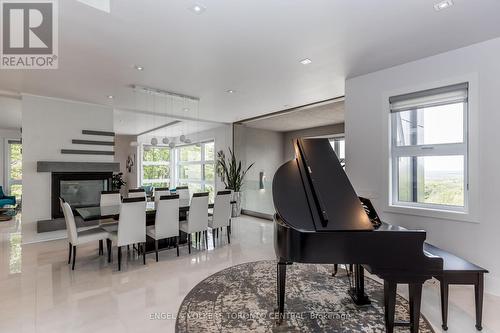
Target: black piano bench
458,271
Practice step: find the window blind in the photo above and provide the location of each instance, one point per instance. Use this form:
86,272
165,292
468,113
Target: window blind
457,93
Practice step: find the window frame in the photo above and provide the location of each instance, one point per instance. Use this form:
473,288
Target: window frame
424,215
8,180
202,162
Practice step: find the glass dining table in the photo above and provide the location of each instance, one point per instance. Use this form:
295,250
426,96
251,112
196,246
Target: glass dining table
113,211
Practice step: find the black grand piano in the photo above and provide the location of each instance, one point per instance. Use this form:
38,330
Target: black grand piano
319,219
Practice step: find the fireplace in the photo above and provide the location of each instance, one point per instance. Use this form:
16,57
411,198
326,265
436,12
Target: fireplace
79,189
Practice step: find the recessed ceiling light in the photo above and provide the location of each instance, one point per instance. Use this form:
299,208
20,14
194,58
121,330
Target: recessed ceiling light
185,109
139,68
443,5
230,91
197,8
110,96
305,61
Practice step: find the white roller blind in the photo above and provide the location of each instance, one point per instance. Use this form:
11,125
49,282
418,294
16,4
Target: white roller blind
433,97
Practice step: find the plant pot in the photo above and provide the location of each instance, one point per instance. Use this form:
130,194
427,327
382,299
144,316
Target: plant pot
236,207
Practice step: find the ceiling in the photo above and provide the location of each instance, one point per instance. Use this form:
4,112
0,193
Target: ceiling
325,114
250,46
135,123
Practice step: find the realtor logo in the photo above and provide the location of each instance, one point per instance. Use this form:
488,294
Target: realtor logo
29,36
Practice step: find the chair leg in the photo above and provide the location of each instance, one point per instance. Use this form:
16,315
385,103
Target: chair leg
69,259
119,258
189,243
144,254
74,258
228,235
101,247
108,243
229,226
177,244
206,239
444,303
478,292
217,232
335,269
156,249
196,239
213,237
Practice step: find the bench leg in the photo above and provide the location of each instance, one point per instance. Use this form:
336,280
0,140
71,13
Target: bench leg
415,301
389,305
478,292
443,285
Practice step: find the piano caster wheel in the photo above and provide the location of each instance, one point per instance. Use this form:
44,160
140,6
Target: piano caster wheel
277,318
444,327
479,328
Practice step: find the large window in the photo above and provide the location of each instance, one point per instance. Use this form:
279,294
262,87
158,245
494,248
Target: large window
156,166
196,167
338,146
191,165
14,169
429,148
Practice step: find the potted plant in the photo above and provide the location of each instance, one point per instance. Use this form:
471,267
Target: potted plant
233,175
117,181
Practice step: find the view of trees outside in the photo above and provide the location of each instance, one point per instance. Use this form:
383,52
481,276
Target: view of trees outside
438,179
156,166
16,170
195,166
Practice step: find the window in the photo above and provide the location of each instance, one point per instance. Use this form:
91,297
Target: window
155,166
14,169
338,146
196,167
429,148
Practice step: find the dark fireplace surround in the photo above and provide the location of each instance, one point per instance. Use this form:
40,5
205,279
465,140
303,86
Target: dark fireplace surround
75,177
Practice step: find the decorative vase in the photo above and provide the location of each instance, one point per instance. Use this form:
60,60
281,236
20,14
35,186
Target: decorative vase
236,211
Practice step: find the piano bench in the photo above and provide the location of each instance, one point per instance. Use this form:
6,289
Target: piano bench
459,271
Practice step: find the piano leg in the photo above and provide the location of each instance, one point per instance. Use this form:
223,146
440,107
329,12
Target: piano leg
415,300
389,305
281,284
357,293
335,269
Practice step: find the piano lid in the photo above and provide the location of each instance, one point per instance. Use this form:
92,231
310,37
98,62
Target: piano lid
313,193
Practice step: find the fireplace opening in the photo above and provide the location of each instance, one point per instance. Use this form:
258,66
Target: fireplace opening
80,189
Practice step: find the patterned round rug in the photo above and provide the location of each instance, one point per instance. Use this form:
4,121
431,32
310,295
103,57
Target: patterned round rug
242,298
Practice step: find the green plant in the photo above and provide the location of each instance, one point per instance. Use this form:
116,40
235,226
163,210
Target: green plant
117,181
230,171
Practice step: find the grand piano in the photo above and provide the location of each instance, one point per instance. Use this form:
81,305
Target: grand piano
319,219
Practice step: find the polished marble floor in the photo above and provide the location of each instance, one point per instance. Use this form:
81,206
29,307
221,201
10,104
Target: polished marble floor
40,293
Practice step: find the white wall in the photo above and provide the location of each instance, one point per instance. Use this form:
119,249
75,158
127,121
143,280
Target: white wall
221,135
265,149
49,125
122,151
367,153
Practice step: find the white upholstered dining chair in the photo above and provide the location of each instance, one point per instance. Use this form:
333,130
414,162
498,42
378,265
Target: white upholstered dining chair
160,192
131,227
137,193
221,214
183,192
76,237
166,221
197,218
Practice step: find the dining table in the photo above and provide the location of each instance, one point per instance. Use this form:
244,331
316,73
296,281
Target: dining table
112,212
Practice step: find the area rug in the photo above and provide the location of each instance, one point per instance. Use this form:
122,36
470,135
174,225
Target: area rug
242,298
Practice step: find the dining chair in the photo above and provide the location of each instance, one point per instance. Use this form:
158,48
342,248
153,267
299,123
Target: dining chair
110,198
131,227
197,218
221,214
166,221
183,192
137,193
80,237
159,192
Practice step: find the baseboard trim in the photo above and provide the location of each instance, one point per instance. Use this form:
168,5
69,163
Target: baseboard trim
257,214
